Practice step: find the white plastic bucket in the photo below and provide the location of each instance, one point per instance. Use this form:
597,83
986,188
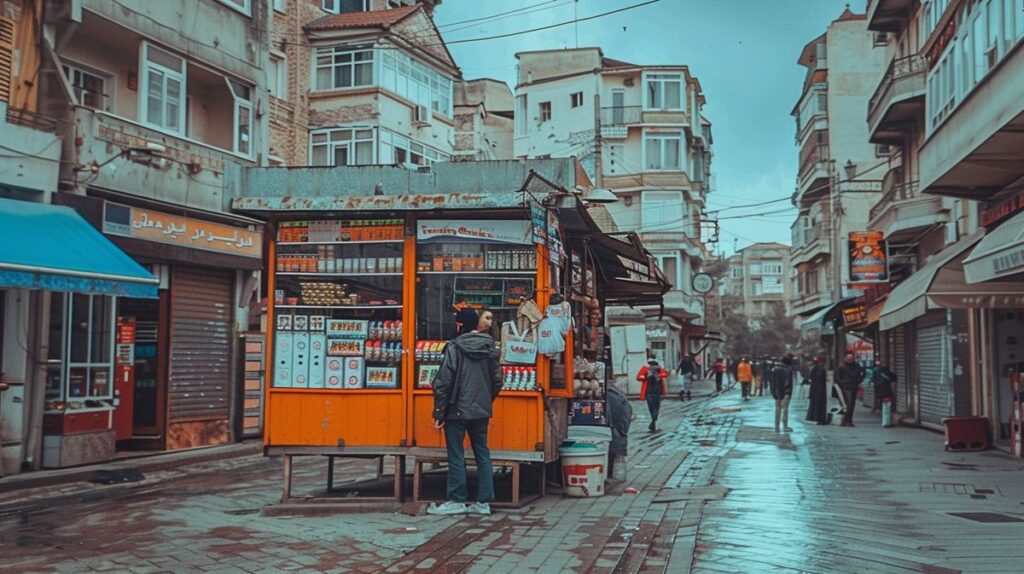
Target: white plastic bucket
584,465
886,413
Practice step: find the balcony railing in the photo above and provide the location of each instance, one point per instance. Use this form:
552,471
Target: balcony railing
898,192
893,83
621,116
27,119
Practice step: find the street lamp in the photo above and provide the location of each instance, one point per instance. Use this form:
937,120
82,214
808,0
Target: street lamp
851,170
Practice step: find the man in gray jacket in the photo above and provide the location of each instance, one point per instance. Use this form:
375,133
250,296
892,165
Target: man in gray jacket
465,387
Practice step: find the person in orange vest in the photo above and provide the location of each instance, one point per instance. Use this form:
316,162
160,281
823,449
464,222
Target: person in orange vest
745,375
652,388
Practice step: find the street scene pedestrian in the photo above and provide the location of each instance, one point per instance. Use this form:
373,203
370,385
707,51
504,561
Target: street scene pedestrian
467,382
782,377
720,373
687,371
882,381
849,376
620,417
745,376
654,387
817,408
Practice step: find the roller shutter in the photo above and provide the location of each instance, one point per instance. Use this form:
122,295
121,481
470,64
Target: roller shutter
935,385
898,342
200,346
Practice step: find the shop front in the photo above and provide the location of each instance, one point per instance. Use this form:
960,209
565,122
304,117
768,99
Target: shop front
58,315
178,379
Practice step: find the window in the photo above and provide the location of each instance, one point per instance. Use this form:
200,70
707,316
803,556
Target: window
664,92
669,265
882,150
281,5
771,269
662,210
240,5
736,273
91,90
521,112
163,101
544,112
342,146
880,38
277,76
397,149
663,151
576,99
81,347
343,67
344,6
243,116
416,82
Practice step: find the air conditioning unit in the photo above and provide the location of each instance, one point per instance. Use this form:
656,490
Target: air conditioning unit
421,115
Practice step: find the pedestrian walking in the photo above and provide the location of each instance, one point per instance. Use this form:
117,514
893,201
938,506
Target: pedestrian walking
652,389
719,367
745,376
883,380
687,369
620,414
817,410
767,367
849,376
465,387
782,391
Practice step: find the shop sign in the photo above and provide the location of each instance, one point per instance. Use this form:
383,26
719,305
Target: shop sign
657,333
635,270
539,221
1000,211
158,227
943,40
855,315
556,251
869,258
490,231
703,283
1009,261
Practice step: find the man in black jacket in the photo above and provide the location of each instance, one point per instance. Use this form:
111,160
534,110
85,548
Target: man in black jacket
782,390
882,379
849,376
687,370
465,387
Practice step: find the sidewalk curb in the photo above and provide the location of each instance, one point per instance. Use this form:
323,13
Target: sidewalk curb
144,462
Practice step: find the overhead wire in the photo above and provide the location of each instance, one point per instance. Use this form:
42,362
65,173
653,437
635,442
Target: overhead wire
521,13
498,15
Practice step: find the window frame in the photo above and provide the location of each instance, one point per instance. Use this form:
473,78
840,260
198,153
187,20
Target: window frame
429,155
89,365
661,258
659,199
544,109
662,137
663,78
279,61
576,100
241,103
337,6
333,52
181,76
109,83
411,79
350,143
244,8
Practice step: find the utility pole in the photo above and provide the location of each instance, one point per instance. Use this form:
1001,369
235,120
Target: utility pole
598,141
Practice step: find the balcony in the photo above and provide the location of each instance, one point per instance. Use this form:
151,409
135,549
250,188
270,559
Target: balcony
889,15
139,160
615,120
815,245
32,152
904,210
814,172
898,100
806,303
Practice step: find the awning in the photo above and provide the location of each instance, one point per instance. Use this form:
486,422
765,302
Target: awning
1000,253
816,322
627,274
941,284
52,247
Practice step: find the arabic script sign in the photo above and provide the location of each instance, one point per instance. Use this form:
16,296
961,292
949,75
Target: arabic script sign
149,225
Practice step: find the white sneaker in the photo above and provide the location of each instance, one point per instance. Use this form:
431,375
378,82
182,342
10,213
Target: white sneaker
481,508
448,508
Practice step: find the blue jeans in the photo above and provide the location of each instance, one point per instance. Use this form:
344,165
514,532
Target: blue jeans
654,405
454,433
684,382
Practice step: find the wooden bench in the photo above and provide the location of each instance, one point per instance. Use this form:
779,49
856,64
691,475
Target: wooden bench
516,466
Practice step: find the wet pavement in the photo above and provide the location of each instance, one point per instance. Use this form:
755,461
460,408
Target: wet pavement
716,491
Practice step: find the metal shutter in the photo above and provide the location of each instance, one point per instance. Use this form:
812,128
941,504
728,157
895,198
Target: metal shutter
898,363
199,387
6,58
935,384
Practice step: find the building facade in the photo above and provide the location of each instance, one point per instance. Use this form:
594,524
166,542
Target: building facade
840,172
639,131
757,277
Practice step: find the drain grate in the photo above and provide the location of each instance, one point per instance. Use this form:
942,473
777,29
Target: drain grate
986,517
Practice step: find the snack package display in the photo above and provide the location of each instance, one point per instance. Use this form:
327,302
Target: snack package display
519,378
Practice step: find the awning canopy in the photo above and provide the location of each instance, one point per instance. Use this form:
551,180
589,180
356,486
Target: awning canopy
941,284
52,247
999,254
816,322
627,273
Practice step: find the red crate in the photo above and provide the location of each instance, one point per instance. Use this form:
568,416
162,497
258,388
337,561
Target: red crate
966,433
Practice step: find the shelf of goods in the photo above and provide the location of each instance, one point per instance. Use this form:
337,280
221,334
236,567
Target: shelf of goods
362,310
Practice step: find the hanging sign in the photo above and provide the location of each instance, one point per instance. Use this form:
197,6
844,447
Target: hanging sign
556,251
539,221
159,227
480,231
855,315
869,257
703,283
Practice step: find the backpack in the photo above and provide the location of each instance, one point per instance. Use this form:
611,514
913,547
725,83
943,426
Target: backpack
654,380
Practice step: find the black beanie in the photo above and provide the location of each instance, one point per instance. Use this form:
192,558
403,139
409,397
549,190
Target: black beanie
466,320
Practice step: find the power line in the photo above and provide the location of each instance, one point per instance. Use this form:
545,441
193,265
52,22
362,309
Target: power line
498,15
448,28
558,25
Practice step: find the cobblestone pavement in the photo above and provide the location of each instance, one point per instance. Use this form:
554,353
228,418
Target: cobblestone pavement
717,491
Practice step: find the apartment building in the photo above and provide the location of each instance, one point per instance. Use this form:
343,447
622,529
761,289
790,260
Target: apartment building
957,319
840,172
757,278
484,123
639,131
132,114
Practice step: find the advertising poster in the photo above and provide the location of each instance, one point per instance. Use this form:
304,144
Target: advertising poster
869,257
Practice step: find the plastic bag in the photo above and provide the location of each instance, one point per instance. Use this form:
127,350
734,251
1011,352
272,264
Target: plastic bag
518,347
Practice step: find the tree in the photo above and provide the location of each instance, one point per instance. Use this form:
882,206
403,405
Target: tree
772,335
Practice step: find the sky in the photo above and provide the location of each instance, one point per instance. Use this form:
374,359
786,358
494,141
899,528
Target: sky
743,51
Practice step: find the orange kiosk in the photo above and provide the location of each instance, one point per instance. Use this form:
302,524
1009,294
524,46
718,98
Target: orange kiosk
360,308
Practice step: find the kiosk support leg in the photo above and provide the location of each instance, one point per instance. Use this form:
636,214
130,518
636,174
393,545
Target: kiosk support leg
287,494
330,473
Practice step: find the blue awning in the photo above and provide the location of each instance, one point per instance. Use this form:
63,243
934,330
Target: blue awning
52,247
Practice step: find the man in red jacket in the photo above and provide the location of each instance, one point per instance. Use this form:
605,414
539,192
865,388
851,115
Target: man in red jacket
653,387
